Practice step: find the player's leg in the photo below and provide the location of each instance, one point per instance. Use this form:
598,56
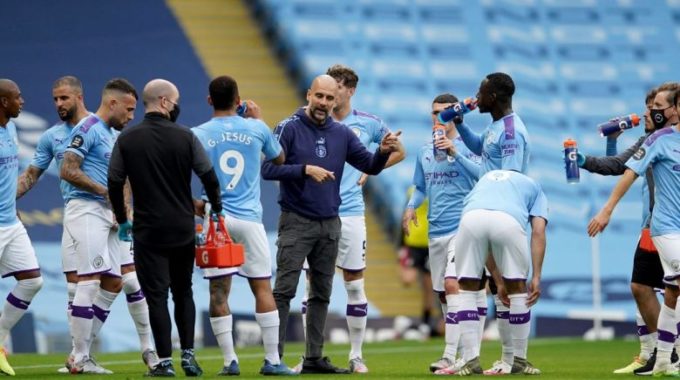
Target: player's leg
221,320
110,286
352,260
513,259
257,268
438,248
17,259
669,253
69,266
647,274
137,307
89,224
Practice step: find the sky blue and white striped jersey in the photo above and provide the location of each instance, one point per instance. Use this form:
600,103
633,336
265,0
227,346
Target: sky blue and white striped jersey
92,140
9,174
369,129
445,183
234,145
511,192
662,150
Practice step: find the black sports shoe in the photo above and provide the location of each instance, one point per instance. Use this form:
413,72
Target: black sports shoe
162,369
321,365
189,364
648,368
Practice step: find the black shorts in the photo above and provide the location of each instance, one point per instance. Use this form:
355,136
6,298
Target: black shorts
647,269
419,259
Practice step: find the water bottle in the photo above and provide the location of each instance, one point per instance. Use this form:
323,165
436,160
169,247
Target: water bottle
242,109
457,109
618,124
200,236
571,161
438,131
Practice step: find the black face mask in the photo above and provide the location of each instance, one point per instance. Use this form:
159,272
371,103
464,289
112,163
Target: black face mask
174,114
659,118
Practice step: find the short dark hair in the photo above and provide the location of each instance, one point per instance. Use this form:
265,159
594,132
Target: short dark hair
344,75
121,85
501,84
445,98
672,88
223,92
651,94
68,80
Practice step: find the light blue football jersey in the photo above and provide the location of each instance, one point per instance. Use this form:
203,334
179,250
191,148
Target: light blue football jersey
369,129
511,192
51,146
92,140
662,150
234,145
445,183
506,145
9,174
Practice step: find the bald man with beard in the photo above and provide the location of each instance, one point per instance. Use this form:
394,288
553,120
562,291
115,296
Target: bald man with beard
157,156
316,149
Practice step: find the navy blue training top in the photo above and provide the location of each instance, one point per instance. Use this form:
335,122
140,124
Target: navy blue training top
329,146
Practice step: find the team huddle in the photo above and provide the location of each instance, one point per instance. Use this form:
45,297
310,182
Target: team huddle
487,219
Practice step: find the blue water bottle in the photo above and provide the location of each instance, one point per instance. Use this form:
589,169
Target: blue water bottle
457,109
438,131
618,124
571,161
242,109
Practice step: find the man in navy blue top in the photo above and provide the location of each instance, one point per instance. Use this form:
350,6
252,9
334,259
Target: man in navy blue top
316,149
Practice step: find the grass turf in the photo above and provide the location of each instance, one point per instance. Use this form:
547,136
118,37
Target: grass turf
557,358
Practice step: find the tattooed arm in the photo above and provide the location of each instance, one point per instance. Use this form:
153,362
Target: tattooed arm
73,174
27,179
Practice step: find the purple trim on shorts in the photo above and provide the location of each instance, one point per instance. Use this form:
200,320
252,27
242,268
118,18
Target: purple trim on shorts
135,296
357,310
109,274
451,318
127,265
514,279
16,302
467,315
93,273
453,277
220,276
672,278
351,270
20,271
304,307
520,319
666,336
482,311
68,305
253,278
502,315
84,312
643,330
468,278
100,313
69,271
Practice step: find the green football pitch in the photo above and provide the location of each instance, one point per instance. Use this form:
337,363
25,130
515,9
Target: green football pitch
557,358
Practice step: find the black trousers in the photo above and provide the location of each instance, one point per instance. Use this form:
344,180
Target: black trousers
158,270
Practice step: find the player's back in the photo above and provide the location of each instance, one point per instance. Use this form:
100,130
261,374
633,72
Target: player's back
506,146
511,192
9,171
370,130
235,145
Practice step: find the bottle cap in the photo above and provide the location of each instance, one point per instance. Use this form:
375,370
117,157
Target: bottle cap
199,228
471,103
635,119
570,143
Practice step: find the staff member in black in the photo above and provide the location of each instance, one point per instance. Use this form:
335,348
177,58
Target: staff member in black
157,157
316,149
